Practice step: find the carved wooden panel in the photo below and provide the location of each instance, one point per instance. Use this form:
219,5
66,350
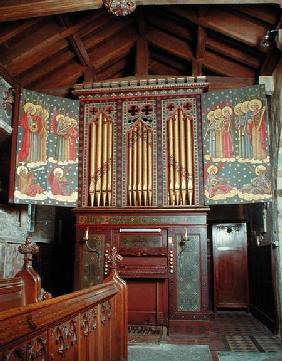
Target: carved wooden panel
90,324
88,329
34,349
63,341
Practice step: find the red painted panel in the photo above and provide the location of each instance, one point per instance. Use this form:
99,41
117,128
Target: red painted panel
230,265
147,301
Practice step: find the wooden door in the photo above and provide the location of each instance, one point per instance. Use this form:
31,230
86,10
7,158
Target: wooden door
230,265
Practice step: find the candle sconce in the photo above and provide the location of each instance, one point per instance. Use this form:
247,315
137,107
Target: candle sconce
85,240
184,241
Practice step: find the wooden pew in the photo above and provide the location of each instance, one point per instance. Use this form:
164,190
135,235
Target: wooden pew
12,293
25,287
87,325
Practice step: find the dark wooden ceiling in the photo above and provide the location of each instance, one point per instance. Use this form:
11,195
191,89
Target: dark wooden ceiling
51,53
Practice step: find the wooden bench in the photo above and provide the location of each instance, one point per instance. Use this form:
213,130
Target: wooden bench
12,293
25,287
89,324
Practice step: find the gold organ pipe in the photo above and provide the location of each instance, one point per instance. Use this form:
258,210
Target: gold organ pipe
129,171
150,166
182,157
99,158
110,160
171,161
189,137
176,158
92,162
145,165
134,166
104,161
139,160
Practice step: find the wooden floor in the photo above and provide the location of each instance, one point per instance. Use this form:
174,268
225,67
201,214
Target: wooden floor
229,331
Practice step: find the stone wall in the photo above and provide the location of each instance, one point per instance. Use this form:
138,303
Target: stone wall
13,231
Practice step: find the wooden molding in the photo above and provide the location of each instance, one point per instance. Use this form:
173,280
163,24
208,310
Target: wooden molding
19,9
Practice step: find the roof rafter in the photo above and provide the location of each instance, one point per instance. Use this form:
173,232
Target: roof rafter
142,55
225,66
105,54
225,23
9,30
79,50
25,52
170,43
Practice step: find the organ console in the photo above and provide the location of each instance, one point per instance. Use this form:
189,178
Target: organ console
140,189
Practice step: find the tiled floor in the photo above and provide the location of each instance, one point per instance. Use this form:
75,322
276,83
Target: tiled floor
229,331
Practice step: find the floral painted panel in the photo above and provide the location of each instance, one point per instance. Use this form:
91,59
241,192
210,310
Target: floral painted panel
236,146
47,150
6,105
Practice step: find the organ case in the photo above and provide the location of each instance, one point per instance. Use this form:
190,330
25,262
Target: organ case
141,171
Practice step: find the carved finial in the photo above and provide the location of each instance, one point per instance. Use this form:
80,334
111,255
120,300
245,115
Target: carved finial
114,258
28,248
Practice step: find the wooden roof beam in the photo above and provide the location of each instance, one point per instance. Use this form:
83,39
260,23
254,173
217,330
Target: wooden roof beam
9,30
158,68
79,50
114,49
65,75
27,64
233,53
25,52
41,70
170,27
18,9
170,44
106,32
226,23
142,56
169,61
226,67
110,71
75,43
200,51
35,62
263,12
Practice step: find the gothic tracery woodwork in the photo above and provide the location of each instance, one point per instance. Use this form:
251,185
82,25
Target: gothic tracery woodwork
139,165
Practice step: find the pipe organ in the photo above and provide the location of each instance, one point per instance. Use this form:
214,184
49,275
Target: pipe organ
180,159
140,189
139,165
100,154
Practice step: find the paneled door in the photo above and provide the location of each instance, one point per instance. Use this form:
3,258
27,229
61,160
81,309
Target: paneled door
230,265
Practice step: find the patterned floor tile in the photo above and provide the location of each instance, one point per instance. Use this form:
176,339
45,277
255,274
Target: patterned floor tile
269,343
229,331
241,343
